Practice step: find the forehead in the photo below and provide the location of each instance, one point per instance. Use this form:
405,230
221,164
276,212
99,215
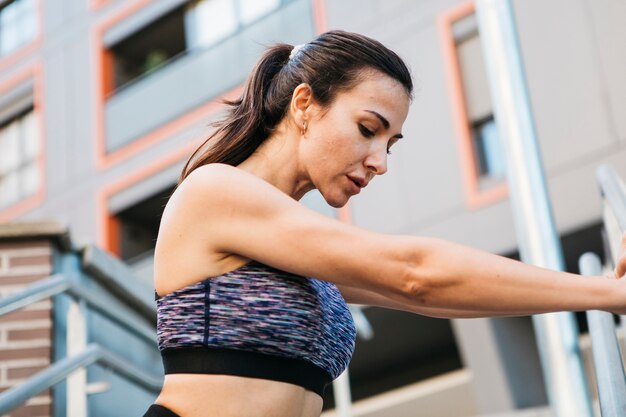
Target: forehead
380,93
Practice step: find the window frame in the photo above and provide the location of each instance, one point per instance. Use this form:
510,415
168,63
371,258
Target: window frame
475,196
34,75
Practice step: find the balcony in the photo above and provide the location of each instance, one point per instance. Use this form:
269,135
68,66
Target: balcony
199,76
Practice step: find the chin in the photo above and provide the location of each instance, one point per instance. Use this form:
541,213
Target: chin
337,205
335,197
337,201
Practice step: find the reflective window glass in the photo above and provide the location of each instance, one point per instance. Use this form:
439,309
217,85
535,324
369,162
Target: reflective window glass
19,154
18,25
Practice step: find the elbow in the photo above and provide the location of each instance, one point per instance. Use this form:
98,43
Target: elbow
416,289
422,279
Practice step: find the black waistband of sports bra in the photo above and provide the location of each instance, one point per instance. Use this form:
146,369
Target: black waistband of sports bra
226,361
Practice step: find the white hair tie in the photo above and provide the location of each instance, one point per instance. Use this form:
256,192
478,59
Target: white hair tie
295,50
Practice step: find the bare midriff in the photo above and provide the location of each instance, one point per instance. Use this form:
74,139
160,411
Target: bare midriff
190,395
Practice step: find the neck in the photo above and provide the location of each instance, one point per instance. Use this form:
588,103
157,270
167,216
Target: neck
276,161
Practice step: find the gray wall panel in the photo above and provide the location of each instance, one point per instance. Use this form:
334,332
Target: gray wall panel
607,18
80,93
55,17
564,81
58,137
432,153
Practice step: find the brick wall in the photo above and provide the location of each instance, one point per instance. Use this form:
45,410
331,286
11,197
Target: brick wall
25,335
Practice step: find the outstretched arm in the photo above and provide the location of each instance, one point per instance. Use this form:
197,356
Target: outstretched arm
238,213
367,297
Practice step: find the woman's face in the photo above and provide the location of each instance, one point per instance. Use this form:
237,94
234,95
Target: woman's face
347,143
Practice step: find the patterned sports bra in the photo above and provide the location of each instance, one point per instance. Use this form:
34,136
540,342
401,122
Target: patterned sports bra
260,322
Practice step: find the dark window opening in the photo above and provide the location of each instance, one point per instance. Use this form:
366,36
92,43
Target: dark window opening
139,227
192,26
490,160
406,348
149,48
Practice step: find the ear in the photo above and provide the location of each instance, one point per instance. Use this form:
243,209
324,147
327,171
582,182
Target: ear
301,104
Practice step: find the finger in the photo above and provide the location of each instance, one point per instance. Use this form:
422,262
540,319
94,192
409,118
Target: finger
620,265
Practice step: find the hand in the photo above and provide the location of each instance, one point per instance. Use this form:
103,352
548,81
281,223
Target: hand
620,264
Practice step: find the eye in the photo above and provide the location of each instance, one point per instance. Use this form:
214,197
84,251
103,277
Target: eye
365,131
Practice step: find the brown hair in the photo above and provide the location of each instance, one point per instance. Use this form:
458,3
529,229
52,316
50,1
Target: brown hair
332,62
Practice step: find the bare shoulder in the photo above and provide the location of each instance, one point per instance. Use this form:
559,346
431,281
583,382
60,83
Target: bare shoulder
199,214
185,249
216,187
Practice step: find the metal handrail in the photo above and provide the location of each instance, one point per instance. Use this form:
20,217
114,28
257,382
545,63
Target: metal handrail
607,357
61,369
59,283
40,290
614,192
97,281
112,274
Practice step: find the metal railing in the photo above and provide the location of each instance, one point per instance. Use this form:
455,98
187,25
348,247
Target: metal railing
59,283
105,278
60,370
614,193
607,357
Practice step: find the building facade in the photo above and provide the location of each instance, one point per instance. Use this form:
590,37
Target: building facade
102,102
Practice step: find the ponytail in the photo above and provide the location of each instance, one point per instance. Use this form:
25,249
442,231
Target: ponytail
249,120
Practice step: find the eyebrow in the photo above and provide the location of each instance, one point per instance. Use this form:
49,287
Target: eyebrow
385,122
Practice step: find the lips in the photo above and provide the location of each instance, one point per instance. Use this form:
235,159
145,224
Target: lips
358,182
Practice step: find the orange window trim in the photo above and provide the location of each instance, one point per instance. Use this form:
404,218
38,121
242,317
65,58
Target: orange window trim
108,73
474,196
113,238
95,5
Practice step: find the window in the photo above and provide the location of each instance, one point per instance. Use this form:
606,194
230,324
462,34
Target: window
488,148
19,152
486,143
139,226
18,25
194,25
149,48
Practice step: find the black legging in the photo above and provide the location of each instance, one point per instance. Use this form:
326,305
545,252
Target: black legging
157,410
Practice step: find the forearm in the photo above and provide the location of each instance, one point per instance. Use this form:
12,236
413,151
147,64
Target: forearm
450,276
361,296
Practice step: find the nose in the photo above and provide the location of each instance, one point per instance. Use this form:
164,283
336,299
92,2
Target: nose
376,162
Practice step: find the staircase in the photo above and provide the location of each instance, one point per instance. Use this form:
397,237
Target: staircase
102,354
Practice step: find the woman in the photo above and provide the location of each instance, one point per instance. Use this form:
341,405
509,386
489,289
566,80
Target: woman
241,330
